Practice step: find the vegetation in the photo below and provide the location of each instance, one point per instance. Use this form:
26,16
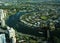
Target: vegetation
40,15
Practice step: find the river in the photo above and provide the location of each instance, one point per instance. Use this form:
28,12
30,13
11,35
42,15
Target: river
13,21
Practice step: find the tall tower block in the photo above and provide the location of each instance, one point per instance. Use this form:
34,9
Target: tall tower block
2,17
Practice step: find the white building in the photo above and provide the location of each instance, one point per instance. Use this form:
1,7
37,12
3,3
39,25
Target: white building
11,33
2,38
2,17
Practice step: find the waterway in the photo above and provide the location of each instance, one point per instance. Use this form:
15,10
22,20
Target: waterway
13,21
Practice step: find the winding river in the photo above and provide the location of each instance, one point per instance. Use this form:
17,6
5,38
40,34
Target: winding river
13,21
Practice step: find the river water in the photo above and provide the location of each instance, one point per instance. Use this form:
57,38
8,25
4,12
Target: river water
13,21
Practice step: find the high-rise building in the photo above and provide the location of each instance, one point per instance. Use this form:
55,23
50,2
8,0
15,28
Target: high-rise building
2,38
2,17
11,33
